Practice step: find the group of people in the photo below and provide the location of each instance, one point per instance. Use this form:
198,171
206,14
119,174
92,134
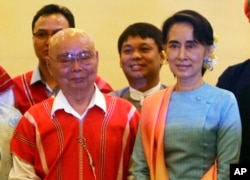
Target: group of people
63,121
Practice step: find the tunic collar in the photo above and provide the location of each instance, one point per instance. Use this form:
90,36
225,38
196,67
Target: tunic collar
61,102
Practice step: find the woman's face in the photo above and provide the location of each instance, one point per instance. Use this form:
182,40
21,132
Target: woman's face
184,54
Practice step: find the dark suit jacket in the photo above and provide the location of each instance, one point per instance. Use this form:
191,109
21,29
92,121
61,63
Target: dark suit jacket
236,79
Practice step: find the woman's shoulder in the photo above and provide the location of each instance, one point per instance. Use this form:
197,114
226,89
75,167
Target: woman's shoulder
217,92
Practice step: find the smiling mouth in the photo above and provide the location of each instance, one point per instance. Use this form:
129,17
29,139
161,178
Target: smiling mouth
136,66
182,67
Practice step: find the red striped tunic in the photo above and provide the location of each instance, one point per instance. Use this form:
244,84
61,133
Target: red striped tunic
51,145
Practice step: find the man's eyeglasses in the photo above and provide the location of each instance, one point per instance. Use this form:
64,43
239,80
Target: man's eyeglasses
68,59
44,35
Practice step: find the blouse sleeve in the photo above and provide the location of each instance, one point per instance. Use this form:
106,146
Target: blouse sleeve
228,137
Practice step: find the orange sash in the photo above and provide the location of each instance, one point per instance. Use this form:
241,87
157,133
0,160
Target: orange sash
153,115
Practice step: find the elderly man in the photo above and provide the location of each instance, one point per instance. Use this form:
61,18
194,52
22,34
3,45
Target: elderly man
81,133
35,86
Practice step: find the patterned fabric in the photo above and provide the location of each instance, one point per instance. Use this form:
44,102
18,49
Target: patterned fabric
5,80
8,119
27,94
106,138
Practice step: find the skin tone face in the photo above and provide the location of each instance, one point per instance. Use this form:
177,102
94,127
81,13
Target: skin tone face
185,55
47,24
76,80
141,60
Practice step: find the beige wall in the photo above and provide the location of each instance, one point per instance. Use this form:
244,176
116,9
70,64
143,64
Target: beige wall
106,19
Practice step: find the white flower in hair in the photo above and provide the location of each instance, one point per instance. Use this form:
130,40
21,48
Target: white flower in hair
210,61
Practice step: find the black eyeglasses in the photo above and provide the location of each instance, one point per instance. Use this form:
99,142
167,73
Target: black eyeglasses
67,59
44,35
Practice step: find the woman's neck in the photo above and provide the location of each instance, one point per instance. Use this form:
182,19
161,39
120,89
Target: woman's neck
182,86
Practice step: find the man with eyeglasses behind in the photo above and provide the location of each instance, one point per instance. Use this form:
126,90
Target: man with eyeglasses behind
35,86
80,133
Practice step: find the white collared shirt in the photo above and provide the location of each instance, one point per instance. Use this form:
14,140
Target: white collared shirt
139,96
61,102
36,77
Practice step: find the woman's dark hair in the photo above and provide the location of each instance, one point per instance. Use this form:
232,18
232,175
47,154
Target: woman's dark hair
203,31
54,9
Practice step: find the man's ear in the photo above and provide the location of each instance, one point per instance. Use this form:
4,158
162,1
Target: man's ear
48,64
120,62
97,56
163,56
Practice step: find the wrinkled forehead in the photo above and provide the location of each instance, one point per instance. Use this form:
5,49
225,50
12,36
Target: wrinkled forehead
70,39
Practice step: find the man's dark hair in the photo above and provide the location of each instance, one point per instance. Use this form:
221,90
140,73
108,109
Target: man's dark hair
54,9
143,30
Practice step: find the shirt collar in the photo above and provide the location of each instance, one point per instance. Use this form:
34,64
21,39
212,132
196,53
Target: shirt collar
36,77
61,102
139,96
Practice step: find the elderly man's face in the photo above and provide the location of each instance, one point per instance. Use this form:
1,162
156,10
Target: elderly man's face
73,63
